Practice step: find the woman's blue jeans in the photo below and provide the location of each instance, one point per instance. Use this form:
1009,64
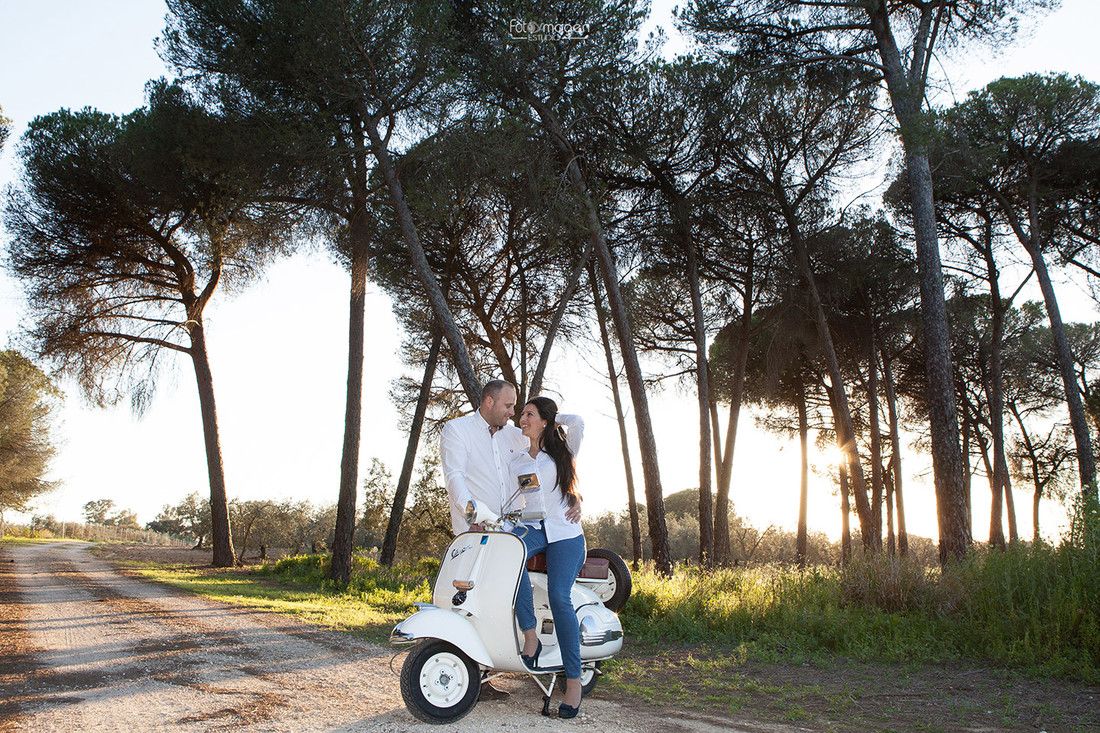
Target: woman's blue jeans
564,559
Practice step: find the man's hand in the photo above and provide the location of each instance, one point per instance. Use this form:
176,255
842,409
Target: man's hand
573,513
476,528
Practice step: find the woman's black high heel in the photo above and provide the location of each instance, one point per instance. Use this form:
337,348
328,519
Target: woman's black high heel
568,711
532,661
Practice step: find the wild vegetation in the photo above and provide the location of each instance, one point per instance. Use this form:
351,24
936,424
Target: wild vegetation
1035,609
47,528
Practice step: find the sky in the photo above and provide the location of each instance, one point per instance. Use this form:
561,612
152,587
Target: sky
279,349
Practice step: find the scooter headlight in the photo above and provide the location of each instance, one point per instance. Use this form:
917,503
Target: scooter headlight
477,514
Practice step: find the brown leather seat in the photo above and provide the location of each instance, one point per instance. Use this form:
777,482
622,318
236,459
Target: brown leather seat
594,567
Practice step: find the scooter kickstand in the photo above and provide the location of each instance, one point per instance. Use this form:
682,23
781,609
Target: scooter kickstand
546,705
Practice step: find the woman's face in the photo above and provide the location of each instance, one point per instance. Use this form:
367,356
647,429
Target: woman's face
531,423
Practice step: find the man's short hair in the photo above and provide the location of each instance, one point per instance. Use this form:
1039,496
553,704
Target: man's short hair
494,387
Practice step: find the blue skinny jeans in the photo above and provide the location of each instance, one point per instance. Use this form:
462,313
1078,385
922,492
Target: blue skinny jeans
564,559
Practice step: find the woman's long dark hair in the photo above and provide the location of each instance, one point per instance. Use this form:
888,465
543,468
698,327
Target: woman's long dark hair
553,442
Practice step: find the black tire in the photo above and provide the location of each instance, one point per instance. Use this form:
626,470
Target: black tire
439,683
590,675
615,594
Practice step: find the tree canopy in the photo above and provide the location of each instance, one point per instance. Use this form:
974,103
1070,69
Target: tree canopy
27,401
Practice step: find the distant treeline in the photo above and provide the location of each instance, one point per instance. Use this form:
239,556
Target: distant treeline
48,527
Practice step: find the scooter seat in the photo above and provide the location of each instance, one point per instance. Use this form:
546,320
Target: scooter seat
537,563
594,567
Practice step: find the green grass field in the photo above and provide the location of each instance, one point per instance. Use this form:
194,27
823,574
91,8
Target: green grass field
822,644
1034,609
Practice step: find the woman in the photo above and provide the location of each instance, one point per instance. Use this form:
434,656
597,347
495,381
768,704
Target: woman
550,456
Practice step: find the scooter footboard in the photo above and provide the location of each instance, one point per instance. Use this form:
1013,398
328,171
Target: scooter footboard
432,622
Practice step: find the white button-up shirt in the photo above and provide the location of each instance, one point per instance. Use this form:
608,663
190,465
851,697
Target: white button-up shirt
553,500
475,464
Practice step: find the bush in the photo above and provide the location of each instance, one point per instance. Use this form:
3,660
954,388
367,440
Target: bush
1032,607
393,588
1036,608
891,584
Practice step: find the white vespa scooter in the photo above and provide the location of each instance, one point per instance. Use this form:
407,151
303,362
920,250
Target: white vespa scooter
468,635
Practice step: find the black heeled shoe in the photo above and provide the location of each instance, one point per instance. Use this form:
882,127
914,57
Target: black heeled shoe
532,661
568,711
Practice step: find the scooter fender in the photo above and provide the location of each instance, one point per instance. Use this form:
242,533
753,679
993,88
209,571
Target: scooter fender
433,622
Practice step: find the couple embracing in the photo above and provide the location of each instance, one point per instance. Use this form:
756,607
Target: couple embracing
483,455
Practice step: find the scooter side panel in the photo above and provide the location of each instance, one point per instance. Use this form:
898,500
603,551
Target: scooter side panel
601,630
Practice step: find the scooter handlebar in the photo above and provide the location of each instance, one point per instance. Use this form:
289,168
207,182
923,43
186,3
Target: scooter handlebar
478,514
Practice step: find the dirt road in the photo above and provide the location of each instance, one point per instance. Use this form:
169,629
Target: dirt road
84,648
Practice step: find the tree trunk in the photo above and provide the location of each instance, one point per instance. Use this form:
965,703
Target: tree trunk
891,539
715,434
845,513
702,378
1078,420
801,543
725,467
952,494
1010,511
658,531
995,388
838,397
1037,484
895,457
389,543
632,504
876,445
967,471
996,504
221,537
343,544
420,266
906,89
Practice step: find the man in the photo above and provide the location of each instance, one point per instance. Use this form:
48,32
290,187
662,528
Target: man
475,451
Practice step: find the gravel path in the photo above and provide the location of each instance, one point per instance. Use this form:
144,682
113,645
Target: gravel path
84,648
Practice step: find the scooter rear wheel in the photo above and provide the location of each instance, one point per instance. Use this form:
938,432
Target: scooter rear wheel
615,592
590,675
439,683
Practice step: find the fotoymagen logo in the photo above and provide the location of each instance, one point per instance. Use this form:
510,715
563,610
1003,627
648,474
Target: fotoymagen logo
529,30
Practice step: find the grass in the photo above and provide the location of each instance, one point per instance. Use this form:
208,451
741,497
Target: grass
18,540
729,640
1035,609
370,606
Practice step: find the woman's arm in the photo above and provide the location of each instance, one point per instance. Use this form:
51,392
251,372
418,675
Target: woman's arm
574,431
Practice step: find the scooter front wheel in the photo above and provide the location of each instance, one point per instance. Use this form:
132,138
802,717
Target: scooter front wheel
439,683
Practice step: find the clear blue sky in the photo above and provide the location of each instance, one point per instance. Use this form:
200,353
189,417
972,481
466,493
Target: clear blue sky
279,350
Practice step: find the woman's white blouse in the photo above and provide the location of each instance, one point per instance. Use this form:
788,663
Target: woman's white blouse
556,525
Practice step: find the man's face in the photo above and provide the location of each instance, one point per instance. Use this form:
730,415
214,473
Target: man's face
497,410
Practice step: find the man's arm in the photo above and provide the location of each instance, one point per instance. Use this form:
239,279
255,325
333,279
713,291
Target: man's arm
454,456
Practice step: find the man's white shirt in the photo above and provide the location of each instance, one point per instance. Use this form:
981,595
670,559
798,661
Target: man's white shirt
476,464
